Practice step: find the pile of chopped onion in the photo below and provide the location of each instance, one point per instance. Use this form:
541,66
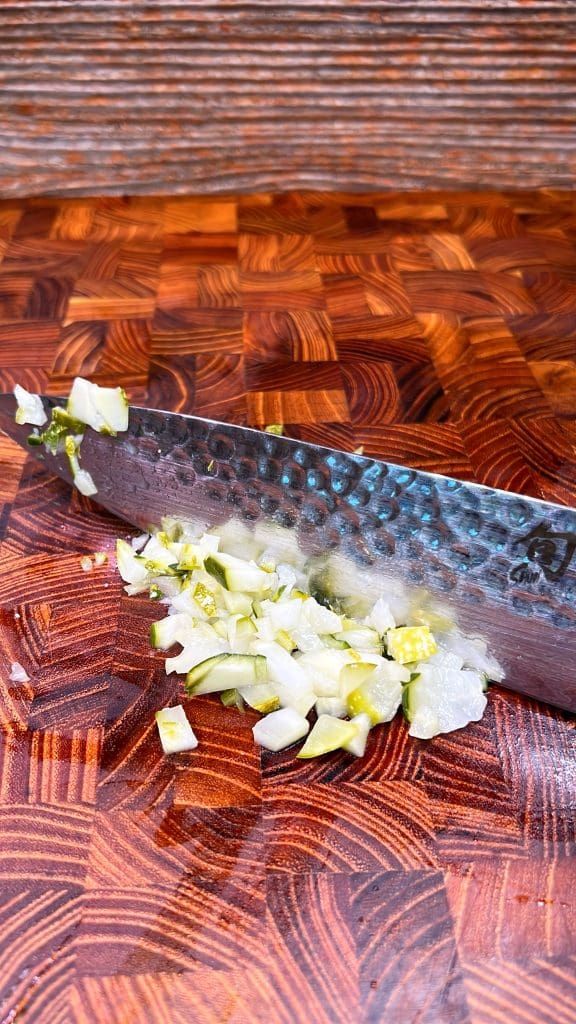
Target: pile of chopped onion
246,617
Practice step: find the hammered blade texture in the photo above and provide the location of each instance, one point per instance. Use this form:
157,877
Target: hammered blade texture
445,533
494,562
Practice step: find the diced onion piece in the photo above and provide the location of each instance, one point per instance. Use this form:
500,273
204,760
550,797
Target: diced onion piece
176,734
84,482
280,729
232,698
173,629
237,575
335,706
30,408
236,603
324,668
284,615
194,654
354,675
86,564
18,673
357,745
100,558
279,543
80,477
439,700
320,619
446,659
226,672
327,734
135,588
137,543
380,617
305,638
236,538
292,684
362,639
262,697
474,653
104,409
131,566
380,695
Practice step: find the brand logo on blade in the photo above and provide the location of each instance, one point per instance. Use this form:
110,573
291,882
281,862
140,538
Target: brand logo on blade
546,553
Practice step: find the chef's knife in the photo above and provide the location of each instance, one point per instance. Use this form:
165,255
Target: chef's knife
500,565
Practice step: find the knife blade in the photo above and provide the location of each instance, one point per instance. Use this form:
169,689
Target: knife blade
500,565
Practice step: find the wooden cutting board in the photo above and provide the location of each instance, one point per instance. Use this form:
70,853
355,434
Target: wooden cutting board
427,882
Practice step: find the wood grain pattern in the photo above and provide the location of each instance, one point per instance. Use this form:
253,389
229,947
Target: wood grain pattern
427,882
184,97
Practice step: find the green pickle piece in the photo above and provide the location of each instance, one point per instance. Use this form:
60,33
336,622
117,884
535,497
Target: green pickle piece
327,734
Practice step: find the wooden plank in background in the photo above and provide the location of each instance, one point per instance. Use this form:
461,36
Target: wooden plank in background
113,97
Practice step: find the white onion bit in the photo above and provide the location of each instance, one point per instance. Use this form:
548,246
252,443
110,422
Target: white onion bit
18,673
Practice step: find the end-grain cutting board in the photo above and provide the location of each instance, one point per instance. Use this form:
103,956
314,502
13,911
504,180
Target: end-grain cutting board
427,882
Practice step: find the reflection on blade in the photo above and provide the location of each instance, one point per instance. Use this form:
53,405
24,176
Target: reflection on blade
501,565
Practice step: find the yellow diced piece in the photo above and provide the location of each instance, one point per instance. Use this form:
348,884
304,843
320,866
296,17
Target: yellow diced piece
267,706
285,640
170,730
411,643
379,697
70,446
261,696
188,558
327,734
205,598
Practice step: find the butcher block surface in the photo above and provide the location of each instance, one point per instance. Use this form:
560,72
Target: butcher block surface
428,882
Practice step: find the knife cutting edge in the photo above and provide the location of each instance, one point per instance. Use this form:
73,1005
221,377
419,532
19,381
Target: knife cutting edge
502,565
